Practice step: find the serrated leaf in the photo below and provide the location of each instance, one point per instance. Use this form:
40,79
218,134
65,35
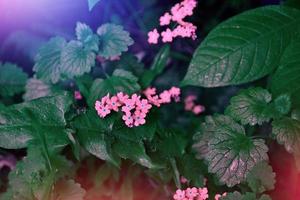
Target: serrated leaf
48,65
12,79
261,178
112,85
247,196
134,151
76,60
113,40
35,120
91,132
157,67
250,106
286,79
287,132
244,48
85,35
92,3
36,88
231,154
68,190
283,104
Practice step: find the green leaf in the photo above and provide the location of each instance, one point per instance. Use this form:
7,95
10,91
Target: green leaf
84,84
36,88
248,196
113,40
85,35
48,65
68,190
42,120
283,104
76,60
92,3
92,132
244,48
287,77
12,79
287,132
261,178
134,151
157,67
250,106
112,85
231,154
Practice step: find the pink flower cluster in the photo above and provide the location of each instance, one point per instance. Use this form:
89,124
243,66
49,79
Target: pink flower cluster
218,196
77,95
189,105
184,29
135,108
191,194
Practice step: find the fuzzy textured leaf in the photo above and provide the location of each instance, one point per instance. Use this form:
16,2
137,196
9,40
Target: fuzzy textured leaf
48,65
250,106
113,40
244,48
247,196
231,154
85,35
261,178
76,60
287,132
286,79
25,122
12,79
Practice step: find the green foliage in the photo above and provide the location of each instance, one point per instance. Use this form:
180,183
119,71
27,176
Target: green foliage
287,132
157,67
42,119
244,48
283,104
231,154
250,106
113,40
261,178
247,196
286,78
85,35
12,79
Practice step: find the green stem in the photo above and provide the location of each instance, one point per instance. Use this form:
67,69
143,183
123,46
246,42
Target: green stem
176,172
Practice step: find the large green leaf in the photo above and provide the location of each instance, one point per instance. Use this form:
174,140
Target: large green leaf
76,60
48,65
85,35
244,48
113,40
12,79
287,77
261,178
247,196
231,154
287,132
93,132
250,106
40,120
119,82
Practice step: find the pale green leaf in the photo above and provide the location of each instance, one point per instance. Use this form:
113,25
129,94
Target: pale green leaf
85,35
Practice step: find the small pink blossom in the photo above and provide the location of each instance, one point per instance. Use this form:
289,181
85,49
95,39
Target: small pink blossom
165,97
150,91
175,92
183,180
191,193
167,36
198,109
189,106
165,19
129,105
139,118
102,111
218,196
203,193
114,103
122,97
153,37
179,195
128,119
77,95
143,105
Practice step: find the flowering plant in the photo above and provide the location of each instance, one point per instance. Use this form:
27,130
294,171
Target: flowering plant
91,103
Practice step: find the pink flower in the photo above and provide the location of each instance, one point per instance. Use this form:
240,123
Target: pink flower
174,91
153,37
198,109
167,36
114,103
188,106
129,105
203,193
191,192
165,97
218,196
150,91
165,19
183,180
143,105
77,95
102,110
122,97
190,98
154,100
128,119
179,195
139,118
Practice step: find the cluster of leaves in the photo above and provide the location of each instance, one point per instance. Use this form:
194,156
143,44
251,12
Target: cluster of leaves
242,49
